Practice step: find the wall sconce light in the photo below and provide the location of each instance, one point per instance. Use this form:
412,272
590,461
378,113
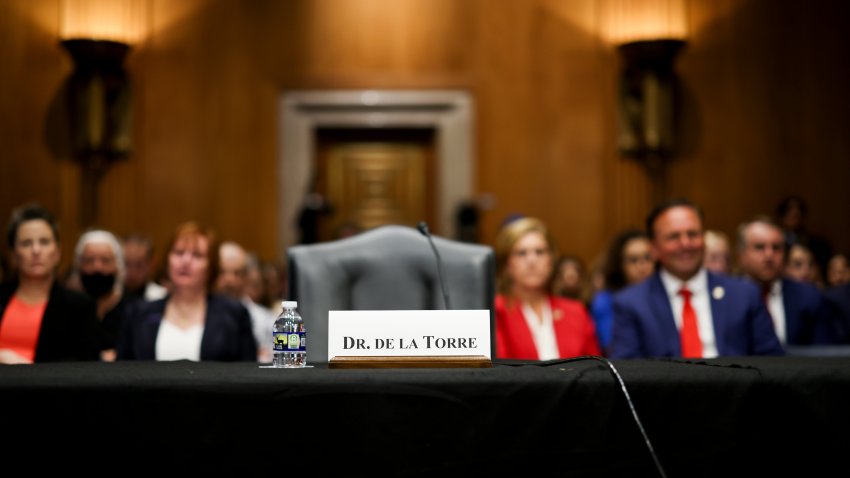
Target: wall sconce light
649,35
648,100
99,101
97,35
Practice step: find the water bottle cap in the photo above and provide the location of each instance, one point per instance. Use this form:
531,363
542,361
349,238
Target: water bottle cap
289,304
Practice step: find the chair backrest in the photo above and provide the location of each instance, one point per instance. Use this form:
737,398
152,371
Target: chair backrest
387,268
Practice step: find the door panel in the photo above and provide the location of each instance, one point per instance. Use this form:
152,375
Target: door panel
370,183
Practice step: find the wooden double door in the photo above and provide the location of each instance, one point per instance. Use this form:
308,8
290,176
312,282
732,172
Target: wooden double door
373,177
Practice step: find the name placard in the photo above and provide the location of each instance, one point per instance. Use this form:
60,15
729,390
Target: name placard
408,333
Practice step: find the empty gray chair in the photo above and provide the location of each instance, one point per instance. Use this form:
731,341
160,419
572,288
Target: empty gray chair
387,268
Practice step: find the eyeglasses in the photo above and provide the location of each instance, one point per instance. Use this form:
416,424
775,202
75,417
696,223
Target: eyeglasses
639,259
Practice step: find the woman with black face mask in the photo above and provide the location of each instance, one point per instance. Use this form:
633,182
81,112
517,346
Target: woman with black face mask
99,272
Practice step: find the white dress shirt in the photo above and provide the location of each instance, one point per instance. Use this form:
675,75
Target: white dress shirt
776,307
701,303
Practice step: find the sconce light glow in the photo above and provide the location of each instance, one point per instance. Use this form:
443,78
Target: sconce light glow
627,21
121,21
649,34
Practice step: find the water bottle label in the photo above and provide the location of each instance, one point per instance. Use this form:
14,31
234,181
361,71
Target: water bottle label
281,340
297,342
294,342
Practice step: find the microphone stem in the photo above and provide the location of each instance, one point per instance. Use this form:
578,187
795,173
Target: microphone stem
440,273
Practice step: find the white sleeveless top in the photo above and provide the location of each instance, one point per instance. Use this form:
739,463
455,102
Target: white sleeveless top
174,343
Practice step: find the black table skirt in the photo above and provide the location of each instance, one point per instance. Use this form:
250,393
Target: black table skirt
724,417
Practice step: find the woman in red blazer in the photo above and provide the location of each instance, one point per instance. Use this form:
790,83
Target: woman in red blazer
531,323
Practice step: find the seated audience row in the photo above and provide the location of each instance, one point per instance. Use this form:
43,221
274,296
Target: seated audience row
42,320
667,292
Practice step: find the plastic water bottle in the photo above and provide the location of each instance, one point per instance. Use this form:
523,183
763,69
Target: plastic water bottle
290,338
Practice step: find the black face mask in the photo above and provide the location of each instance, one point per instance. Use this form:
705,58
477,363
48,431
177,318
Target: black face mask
98,284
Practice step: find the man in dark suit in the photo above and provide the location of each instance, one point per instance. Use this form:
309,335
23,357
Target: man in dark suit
683,310
798,311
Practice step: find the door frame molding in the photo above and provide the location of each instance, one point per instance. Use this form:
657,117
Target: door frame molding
448,112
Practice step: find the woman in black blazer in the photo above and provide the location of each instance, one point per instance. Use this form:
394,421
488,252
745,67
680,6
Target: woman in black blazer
190,323
40,320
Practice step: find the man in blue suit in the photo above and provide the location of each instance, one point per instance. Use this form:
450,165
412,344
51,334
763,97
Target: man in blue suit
683,310
798,310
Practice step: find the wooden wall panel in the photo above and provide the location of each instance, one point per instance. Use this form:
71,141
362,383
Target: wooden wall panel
32,71
766,112
768,117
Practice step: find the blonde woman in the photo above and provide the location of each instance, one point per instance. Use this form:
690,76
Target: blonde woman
531,323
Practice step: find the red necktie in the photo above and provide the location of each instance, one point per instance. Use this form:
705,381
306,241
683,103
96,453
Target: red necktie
691,343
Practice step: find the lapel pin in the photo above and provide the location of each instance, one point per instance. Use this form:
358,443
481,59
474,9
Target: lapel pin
557,315
718,293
